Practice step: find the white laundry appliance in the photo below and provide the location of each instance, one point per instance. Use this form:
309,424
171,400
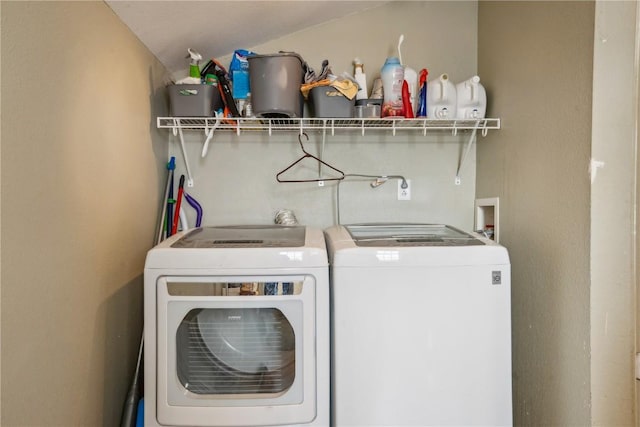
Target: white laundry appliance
421,327
237,328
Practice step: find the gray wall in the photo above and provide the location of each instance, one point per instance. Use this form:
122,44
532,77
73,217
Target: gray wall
613,206
537,59
81,181
236,182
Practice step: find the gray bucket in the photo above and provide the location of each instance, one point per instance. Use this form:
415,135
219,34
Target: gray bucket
275,81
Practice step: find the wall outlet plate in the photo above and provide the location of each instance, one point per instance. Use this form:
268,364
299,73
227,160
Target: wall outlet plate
404,193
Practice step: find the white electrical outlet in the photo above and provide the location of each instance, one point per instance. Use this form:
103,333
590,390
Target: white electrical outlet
404,193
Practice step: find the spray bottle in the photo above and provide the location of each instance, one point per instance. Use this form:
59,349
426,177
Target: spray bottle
422,103
194,66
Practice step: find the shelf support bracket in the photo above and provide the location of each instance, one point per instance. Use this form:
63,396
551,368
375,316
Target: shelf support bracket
184,155
324,137
485,130
208,132
472,139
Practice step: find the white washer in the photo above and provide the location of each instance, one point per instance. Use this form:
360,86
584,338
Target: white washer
421,327
237,328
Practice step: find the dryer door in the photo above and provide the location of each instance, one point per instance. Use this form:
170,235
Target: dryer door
236,351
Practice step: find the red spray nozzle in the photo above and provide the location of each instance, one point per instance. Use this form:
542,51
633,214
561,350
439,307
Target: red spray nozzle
423,76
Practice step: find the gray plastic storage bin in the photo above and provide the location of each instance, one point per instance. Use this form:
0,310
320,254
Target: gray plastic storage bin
327,101
275,81
194,100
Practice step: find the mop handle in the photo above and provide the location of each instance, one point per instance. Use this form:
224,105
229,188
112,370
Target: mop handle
176,216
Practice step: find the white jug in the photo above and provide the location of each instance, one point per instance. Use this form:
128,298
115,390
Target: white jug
472,99
441,98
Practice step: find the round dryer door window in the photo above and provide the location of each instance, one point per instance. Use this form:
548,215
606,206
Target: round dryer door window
223,351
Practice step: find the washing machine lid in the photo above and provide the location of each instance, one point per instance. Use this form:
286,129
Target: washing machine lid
409,245
245,247
385,235
243,236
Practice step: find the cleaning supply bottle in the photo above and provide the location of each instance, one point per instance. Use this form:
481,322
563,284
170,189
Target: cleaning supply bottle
441,98
422,104
411,77
194,65
211,79
361,79
392,74
471,99
248,107
406,101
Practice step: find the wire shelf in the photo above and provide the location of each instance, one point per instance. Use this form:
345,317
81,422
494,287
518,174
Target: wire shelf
328,126
332,125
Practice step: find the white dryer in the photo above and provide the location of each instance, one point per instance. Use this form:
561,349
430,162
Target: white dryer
421,327
237,328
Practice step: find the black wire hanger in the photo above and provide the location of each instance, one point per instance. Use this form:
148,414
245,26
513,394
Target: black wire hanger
308,155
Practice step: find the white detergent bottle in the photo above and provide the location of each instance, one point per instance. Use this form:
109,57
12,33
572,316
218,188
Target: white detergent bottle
411,77
441,98
472,99
392,75
361,79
